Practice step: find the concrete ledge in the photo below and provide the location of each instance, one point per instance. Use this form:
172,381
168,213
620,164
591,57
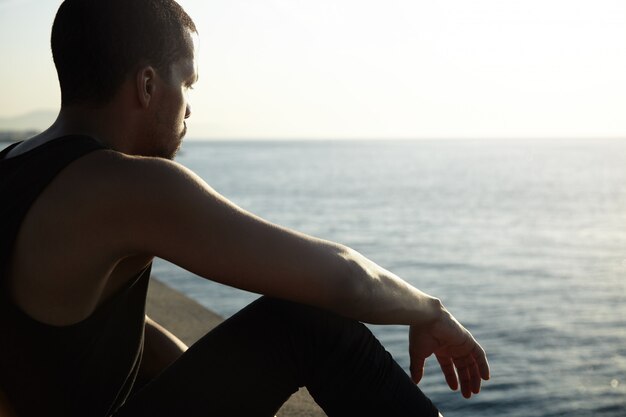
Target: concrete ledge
190,321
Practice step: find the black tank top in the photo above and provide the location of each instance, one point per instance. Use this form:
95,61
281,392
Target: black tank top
85,369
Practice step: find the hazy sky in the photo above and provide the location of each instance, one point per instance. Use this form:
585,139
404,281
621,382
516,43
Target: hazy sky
374,68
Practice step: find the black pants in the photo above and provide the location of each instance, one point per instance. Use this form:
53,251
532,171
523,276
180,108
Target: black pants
250,365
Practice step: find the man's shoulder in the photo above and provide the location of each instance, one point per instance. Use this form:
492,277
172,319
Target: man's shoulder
112,186
108,161
108,171
105,201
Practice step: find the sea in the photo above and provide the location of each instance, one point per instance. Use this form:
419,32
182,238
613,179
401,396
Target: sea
523,240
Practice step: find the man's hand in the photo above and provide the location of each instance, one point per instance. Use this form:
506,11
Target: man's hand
461,358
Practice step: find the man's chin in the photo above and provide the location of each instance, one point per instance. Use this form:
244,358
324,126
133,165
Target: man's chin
173,154
167,153
179,144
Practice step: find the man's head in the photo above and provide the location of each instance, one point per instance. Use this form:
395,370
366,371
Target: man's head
99,46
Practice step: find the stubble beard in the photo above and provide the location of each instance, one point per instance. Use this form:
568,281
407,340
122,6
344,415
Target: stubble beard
179,142
167,147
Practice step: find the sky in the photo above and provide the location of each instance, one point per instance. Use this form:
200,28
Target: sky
352,69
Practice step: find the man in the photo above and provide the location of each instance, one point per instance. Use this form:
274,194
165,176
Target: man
94,198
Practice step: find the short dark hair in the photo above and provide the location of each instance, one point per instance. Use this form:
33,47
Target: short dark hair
96,44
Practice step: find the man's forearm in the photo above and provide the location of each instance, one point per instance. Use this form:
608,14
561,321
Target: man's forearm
381,297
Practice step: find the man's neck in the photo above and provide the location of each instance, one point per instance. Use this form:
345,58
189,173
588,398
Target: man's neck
108,124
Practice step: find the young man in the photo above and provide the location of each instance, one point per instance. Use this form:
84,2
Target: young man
89,203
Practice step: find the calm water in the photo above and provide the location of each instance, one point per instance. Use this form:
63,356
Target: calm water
524,241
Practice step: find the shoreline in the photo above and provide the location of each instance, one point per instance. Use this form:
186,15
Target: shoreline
189,321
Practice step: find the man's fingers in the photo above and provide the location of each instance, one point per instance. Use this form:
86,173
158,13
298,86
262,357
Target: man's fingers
417,373
481,361
417,369
475,378
447,367
465,380
469,375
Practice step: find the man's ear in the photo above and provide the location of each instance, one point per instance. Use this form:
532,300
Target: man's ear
146,85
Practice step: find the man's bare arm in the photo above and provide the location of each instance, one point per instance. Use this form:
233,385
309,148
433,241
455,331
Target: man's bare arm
168,211
160,208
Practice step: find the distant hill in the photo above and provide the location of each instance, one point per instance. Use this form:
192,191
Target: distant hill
34,121
13,135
